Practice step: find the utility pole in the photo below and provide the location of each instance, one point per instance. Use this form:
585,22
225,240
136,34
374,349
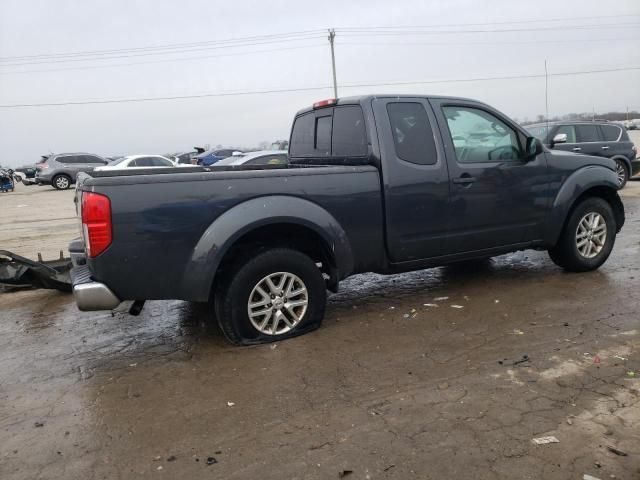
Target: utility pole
546,92
332,36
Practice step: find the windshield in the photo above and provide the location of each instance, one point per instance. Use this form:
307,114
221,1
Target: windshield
117,161
538,131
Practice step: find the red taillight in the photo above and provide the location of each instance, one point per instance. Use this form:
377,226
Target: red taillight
96,223
41,166
325,103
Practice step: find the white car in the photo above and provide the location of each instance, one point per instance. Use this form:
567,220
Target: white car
138,161
261,157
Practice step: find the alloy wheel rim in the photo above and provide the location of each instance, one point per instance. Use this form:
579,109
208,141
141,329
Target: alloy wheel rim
622,175
278,303
62,182
591,235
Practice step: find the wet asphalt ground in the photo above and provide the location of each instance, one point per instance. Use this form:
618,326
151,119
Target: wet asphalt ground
447,373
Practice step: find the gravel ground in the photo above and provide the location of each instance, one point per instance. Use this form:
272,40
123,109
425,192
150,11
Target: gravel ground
391,387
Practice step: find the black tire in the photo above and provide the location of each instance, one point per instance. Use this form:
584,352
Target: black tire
233,294
566,254
623,174
61,182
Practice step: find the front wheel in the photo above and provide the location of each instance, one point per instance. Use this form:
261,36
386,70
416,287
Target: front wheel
587,238
277,294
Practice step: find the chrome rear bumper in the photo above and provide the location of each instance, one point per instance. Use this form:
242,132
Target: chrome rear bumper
90,295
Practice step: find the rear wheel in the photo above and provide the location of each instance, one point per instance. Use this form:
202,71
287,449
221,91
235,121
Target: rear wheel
622,172
277,294
61,182
587,238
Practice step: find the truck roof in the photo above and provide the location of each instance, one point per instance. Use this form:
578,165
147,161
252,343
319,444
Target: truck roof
359,99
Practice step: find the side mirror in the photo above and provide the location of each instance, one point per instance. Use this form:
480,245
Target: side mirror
533,148
559,138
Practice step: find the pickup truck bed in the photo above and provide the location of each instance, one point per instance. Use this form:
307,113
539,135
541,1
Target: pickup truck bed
156,215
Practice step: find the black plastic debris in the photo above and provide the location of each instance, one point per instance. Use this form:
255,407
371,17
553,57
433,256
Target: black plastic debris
211,460
17,272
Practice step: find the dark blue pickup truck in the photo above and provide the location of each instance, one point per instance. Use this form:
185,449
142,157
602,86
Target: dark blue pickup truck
374,184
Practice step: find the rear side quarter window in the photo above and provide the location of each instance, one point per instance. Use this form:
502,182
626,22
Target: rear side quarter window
412,133
330,132
610,133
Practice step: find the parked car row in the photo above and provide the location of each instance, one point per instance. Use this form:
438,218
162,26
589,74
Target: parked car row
632,124
61,170
599,138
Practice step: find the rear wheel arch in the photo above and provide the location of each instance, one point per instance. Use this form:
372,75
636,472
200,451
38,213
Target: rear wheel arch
293,236
280,219
624,159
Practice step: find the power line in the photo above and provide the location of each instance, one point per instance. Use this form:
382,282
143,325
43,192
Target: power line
305,89
483,79
170,46
151,62
508,42
145,54
509,22
167,46
375,32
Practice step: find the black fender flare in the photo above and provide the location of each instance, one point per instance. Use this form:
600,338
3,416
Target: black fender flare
579,182
258,212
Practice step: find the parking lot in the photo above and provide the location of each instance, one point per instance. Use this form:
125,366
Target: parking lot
388,388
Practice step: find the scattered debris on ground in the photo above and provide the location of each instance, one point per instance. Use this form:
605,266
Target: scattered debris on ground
545,440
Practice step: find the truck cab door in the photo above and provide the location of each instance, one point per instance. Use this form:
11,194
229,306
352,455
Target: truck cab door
498,196
415,181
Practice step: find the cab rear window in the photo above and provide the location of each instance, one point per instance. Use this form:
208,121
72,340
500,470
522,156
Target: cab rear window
335,132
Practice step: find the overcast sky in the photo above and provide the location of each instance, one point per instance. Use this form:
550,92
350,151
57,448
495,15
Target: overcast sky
411,54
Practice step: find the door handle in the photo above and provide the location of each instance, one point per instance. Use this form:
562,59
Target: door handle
605,148
576,149
465,179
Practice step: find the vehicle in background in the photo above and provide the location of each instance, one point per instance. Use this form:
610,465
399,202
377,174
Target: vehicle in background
26,174
261,157
630,125
186,158
280,145
7,180
599,138
138,161
61,169
212,156
373,184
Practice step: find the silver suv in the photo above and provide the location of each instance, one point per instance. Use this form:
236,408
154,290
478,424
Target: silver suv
61,170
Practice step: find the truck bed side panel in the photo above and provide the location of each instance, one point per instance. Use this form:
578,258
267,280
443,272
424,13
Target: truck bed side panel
157,222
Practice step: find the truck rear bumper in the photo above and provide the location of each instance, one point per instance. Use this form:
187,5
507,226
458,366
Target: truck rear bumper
90,295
